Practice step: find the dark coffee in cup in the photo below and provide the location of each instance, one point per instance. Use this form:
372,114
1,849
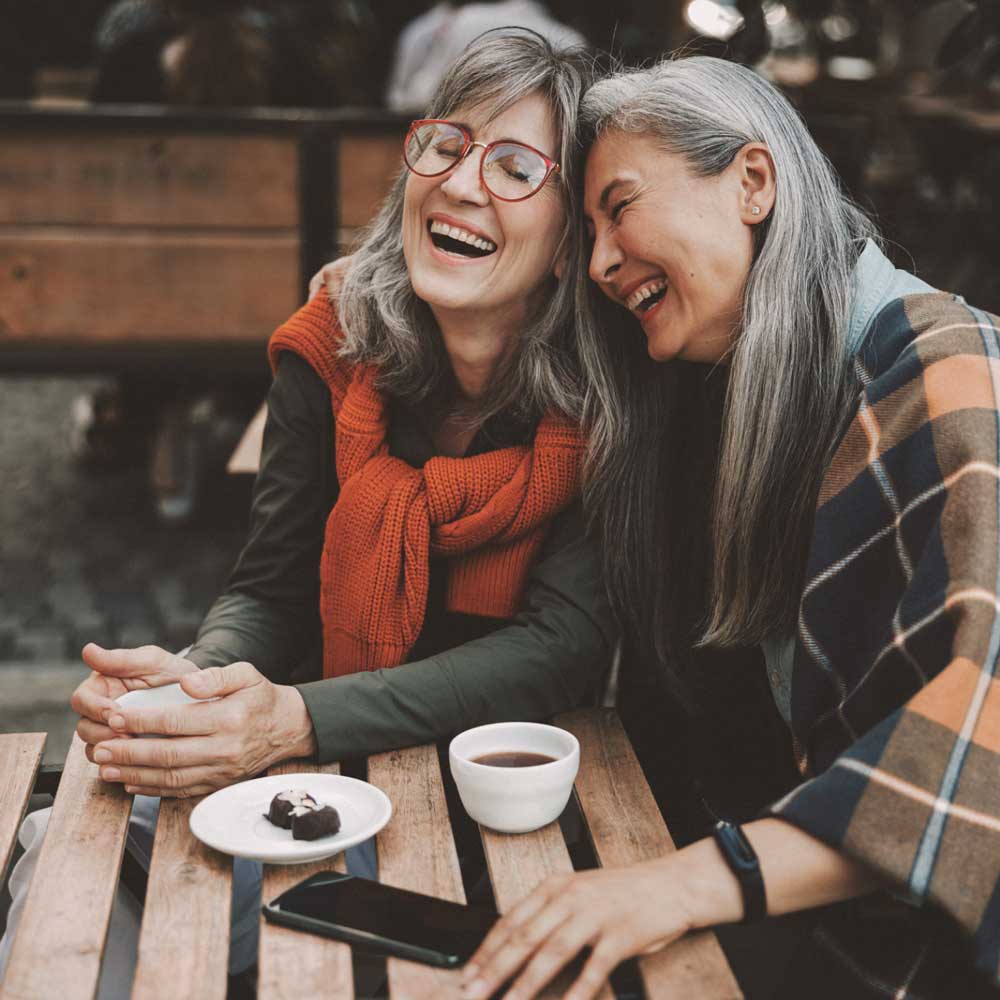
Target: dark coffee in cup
513,758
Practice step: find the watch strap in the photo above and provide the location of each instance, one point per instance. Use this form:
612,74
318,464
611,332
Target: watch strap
742,860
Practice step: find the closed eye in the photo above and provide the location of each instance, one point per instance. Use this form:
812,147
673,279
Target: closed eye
616,210
452,148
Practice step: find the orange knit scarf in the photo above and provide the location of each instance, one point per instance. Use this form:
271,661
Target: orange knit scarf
487,514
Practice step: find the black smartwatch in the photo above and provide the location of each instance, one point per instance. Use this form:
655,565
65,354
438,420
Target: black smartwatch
742,859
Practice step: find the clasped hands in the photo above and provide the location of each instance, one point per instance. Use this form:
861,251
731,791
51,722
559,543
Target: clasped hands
253,724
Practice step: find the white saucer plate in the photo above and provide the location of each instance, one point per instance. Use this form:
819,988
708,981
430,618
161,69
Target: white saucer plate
234,819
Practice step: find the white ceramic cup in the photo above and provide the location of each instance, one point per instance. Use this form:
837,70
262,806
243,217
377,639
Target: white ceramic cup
514,799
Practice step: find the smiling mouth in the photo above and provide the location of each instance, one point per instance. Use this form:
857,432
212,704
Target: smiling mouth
458,242
643,299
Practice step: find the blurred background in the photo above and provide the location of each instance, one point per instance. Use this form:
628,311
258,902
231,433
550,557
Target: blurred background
172,173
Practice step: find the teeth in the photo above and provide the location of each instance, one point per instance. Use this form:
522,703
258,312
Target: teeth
443,229
644,292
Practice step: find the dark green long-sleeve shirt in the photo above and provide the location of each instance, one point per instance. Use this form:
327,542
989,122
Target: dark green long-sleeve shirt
464,670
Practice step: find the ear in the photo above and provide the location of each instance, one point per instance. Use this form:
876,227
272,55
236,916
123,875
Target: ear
755,168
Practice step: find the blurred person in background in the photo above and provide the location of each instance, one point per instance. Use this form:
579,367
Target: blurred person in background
216,54
429,44
235,53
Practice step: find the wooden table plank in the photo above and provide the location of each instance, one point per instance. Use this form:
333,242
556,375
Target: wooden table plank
58,948
416,851
20,759
626,827
294,964
184,939
518,863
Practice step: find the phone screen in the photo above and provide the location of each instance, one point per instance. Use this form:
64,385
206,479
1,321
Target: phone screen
395,915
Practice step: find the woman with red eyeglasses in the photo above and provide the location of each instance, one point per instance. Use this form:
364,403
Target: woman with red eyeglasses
416,503
416,562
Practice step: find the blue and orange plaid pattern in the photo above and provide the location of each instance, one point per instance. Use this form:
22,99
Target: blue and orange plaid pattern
895,693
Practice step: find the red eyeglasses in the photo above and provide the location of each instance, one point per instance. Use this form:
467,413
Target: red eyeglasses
510,171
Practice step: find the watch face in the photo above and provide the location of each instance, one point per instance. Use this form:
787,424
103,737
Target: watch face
735,845
742,859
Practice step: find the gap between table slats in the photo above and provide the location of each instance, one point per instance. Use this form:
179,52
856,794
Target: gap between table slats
294,964
184,938
20,759
626,827
416,851
518,863
61,937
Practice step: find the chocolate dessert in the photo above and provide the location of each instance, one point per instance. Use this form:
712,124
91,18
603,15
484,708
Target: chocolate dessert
282,805
313,823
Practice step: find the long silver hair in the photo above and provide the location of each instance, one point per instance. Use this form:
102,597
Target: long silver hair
387,325
791,384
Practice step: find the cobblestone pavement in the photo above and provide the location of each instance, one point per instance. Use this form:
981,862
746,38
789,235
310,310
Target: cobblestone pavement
82,557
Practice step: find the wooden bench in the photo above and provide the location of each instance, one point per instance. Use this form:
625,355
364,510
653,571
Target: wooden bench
138,237
184,936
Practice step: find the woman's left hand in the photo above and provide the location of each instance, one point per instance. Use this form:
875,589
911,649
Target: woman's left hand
616,912
253,725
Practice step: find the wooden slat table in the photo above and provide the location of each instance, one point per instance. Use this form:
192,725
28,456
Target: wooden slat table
183,947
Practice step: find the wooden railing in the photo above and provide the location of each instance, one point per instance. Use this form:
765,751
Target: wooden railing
142,236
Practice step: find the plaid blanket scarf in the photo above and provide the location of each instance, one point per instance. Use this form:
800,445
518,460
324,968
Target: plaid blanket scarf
895,692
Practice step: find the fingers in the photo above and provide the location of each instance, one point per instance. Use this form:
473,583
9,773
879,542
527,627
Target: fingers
335,274
557,950
91,699
502,929
546,948
330,277
93,733
515,938
143,662
175,720
216,682
316,282
165,755
171,793
177,782
596,971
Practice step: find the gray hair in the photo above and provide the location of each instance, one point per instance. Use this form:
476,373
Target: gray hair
791,384
384,322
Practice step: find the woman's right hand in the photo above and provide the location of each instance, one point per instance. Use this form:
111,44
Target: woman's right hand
115,672
331,277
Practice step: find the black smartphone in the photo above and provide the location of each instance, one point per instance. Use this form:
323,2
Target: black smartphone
384,920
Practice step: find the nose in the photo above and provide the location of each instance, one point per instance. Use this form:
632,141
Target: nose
463,182
605,259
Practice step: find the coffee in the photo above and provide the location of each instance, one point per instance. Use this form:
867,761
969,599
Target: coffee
513,758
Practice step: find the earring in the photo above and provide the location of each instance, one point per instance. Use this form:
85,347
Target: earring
755,210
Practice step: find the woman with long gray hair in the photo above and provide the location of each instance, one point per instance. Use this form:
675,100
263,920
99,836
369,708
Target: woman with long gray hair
793,446
416,563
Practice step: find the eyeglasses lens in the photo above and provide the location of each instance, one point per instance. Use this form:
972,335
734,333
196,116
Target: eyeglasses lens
510,170
433,148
